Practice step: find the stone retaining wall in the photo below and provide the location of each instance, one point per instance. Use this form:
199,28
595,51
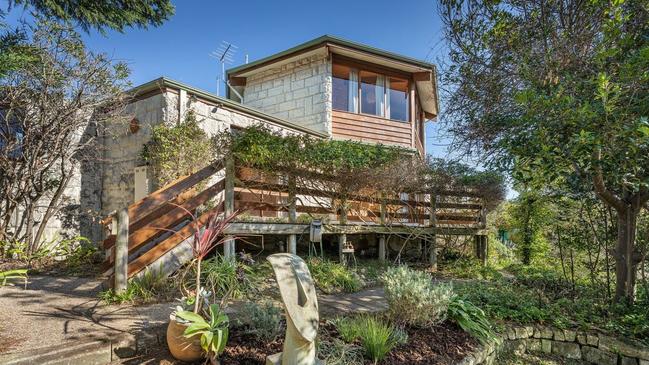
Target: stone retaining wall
592,347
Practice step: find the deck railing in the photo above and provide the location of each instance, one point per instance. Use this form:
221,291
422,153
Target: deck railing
157,223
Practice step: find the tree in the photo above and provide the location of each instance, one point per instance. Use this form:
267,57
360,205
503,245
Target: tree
530,215
102,14
51,110
99,14
553,90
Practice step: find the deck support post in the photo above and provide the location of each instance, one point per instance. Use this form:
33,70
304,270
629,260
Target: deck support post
432,249
121,251
342,238
292,214
382,252
228,244
481,248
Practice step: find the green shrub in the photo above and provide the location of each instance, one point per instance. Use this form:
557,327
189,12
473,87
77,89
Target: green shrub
377,337
178,150
413,298
349,329
151,285
337,352
469,268
263,321
471,319
332,277
225,277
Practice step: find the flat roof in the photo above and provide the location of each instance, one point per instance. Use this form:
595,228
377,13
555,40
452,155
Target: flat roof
161,82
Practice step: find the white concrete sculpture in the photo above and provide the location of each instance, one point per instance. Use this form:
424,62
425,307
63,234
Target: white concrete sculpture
301,304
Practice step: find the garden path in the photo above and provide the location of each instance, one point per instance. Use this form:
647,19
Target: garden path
55,310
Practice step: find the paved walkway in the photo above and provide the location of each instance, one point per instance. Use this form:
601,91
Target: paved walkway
53,310
367,301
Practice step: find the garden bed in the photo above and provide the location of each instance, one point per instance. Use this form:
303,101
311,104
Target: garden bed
443,344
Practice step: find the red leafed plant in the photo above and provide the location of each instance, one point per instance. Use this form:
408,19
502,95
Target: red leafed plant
205,240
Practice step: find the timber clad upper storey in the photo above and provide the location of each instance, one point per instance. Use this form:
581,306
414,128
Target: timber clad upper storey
344,90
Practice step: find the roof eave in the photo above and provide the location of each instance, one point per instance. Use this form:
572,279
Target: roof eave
163,82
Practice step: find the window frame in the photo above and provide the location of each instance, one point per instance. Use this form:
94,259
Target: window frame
359,66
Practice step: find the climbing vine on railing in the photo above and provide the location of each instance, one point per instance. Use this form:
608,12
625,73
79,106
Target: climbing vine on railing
178,150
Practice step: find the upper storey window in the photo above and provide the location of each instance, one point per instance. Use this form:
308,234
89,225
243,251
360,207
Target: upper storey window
362,91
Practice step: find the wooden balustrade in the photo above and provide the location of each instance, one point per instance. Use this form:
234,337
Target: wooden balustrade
173,207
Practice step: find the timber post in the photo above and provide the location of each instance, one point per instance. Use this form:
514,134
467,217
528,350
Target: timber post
228,244
292,215
432,221
481,243
342,238
121,251
382,251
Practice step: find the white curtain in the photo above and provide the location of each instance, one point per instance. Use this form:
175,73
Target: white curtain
353,91
379,89
387,97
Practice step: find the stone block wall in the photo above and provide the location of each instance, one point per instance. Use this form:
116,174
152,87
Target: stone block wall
122,151
299,91
592,347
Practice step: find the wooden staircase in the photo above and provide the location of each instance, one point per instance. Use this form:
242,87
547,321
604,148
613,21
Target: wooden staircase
159,222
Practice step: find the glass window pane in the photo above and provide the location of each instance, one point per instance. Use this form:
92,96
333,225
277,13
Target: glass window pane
398,99
372,93
345,88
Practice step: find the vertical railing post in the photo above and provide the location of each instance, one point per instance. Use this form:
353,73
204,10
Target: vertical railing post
229,245
342,238
432,218
382,255
121,251
292,214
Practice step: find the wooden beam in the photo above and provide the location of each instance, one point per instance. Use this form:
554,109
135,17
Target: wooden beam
422,76
237,81
256,228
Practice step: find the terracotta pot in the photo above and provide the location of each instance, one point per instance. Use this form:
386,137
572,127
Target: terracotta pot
183,349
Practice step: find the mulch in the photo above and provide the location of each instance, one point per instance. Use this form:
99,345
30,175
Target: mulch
246,349
443,344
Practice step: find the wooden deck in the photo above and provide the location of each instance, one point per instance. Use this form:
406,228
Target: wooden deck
148,236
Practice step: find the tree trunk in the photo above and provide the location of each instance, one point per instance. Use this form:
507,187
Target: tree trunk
624,264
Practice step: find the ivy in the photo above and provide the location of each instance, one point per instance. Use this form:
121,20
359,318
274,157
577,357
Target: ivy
178,150
262,148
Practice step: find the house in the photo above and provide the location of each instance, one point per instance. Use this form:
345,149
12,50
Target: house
343,89
326,88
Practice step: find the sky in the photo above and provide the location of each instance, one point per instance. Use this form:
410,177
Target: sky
180,48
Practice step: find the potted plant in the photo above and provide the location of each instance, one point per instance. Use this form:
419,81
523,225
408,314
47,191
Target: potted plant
189,336
213,334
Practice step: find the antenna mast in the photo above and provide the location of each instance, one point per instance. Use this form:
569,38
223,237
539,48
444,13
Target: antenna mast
224,55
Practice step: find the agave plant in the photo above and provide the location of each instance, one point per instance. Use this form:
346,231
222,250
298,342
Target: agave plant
213,333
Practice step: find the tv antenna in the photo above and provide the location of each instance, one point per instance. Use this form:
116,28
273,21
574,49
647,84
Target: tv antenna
224,54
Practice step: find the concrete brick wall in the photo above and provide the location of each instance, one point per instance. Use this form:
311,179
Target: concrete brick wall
299,91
